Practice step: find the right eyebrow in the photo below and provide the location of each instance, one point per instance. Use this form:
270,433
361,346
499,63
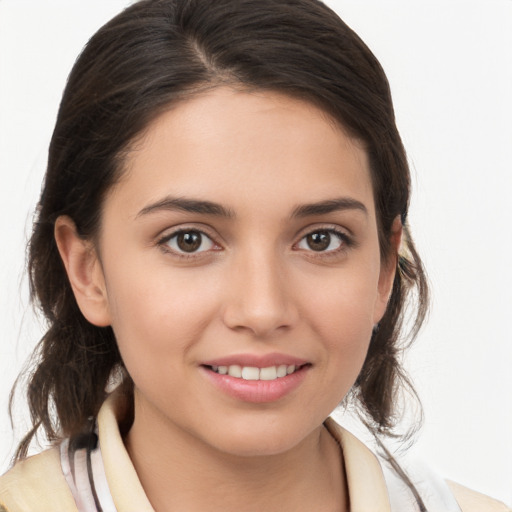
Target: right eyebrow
190,205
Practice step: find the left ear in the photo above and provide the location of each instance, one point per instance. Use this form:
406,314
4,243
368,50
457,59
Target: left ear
388,269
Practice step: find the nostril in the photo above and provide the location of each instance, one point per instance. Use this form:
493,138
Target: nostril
260,321
257,299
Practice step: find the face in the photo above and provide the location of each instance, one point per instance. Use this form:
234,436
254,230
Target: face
240,270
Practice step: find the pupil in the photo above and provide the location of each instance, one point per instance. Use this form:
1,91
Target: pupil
190,241
319,241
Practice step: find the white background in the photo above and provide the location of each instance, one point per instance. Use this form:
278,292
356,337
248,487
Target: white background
450,67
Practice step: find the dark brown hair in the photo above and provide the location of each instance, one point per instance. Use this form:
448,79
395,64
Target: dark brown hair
152,55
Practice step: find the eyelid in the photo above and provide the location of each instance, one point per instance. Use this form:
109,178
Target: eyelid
170,233
344,234
319,226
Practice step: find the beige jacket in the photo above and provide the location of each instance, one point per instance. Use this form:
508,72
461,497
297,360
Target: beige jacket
38,483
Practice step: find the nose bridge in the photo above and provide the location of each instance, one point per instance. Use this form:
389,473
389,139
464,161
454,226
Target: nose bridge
258,294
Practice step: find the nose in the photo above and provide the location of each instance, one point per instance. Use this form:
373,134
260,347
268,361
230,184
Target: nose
259,297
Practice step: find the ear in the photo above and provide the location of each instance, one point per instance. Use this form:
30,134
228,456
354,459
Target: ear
84,272
388,271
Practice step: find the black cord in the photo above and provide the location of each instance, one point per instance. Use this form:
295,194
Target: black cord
91,445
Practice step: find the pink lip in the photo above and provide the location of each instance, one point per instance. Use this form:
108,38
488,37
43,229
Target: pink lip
256,391
255,360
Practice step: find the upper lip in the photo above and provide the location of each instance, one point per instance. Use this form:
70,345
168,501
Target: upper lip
256,360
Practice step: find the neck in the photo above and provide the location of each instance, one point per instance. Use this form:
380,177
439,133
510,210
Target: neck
180,472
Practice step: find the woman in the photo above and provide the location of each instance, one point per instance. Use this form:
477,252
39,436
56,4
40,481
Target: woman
222,235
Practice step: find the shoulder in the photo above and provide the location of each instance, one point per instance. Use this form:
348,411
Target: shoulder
436,492
410,484
36,483
472,501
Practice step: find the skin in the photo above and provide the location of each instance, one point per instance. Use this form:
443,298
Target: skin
255,286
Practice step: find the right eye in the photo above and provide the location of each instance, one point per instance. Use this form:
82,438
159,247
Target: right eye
188,241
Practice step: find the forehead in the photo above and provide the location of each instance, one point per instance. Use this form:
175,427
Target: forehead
243,147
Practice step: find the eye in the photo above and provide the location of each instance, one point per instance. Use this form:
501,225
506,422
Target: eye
322,240
189,241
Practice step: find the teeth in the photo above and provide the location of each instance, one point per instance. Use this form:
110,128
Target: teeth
269,373
281,370
235,371
250,373
253,373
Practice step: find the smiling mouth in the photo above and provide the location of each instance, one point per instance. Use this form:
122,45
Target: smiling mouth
254,373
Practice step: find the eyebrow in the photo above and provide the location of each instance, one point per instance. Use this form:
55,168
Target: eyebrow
329,206
204,207
187,205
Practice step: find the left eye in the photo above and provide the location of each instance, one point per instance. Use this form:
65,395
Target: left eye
191,241
321,241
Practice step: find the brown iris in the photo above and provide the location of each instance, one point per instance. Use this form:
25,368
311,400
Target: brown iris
319,240
189,241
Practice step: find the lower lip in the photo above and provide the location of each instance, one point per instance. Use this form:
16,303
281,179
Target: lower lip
257,391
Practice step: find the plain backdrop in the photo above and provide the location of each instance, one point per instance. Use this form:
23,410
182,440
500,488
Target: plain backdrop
450,68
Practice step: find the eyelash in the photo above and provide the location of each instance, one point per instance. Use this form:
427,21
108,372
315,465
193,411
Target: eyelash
345,242
163,243
344,239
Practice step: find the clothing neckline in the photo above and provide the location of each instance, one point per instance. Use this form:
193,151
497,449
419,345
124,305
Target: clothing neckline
362,468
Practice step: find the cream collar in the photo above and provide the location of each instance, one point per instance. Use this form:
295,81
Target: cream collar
366,484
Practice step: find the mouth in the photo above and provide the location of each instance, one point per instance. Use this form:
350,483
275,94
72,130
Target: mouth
267,373
256,380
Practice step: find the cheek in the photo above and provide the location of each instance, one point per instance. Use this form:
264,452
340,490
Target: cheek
345,303
159,314
346,333
341,312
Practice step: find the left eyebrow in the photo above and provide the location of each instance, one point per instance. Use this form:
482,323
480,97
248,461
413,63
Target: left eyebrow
329,206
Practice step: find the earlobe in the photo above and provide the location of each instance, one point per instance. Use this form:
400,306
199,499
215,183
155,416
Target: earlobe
84,272
388,270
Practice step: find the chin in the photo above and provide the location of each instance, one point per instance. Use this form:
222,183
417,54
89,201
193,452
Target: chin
258,440
257,447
